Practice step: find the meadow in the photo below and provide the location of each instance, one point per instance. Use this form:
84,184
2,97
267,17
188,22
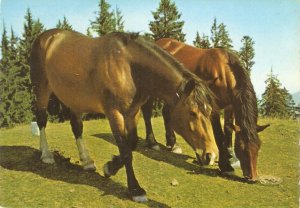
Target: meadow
26,182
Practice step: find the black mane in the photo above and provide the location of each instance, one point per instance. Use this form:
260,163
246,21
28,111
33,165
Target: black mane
245,101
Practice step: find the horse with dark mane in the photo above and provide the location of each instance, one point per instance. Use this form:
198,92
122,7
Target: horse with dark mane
115,74
233,89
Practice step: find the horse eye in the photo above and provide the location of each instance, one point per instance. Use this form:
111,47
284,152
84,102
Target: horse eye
193,114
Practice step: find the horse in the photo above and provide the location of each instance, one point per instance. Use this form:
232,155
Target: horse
114,75
232,87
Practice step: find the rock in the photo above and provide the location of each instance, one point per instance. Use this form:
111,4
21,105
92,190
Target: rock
174,182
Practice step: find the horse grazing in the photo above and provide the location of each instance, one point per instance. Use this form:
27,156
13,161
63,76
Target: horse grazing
115,75
233,89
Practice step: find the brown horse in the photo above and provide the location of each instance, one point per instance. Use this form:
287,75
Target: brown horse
115,75
233,89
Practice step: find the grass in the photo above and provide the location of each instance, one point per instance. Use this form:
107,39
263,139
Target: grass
26,182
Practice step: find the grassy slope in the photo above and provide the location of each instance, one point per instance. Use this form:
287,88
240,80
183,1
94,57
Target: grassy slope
26,182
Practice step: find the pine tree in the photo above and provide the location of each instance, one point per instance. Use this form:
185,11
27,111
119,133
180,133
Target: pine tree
201,42
247,53
276,101
105,22
220,36
166,23
64,24
118,21
4,67
215,36
21,90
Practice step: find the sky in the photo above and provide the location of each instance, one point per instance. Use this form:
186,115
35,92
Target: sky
274,25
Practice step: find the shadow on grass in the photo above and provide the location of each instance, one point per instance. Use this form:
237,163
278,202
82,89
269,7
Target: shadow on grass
23,158
178,160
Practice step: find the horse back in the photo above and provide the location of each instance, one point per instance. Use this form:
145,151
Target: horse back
212,65
81,71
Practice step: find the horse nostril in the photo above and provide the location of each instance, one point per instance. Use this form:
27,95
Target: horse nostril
208,158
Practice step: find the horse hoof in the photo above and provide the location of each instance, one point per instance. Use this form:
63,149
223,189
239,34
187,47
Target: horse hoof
142,198
236,164
106,172
48,158
176,149
90,167
155,147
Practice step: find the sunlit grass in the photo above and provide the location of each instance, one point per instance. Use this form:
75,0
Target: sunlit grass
26,182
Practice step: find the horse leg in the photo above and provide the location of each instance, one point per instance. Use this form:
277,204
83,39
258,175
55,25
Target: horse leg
117,123
228,129
147,113
224,155
77,127
42,98
170,135
228,123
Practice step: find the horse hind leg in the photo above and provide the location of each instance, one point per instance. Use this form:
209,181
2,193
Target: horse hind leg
42,98
77,127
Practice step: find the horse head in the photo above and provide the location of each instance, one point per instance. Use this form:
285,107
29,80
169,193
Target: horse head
190,118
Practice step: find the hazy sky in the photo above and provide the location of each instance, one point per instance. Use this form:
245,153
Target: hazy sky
274,25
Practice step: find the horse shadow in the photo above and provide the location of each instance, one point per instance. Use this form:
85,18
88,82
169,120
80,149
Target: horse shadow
177,160
27,159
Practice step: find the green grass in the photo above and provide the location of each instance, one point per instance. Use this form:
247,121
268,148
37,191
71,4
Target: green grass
26,182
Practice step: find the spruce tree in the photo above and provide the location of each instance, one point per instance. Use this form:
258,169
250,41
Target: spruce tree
201,42
166,23
118,21
247,53
64,24
22,99
105,21
276,101
220,36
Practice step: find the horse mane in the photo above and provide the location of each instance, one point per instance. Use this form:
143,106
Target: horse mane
202,92
244,100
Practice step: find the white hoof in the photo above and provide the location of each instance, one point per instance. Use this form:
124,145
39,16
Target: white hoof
236,164
48,158
142,198
176,149
89,166
156,147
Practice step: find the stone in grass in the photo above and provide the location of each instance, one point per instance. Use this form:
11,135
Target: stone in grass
174,182
269,180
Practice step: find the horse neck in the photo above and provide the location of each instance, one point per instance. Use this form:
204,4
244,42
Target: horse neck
157,76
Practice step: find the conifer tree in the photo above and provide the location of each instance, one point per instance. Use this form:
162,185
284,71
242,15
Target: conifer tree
201,42
64,24
247,53
276,101
166,23
22,99
220,36
118,21
105,21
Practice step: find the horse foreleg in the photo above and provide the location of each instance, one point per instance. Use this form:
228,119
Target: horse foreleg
77,127
224,155
228,123
147,113
170,135
118,125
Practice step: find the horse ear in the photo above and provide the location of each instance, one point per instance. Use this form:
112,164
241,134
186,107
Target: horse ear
261,128
189,87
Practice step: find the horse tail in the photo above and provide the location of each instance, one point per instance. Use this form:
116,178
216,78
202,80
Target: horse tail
244,100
